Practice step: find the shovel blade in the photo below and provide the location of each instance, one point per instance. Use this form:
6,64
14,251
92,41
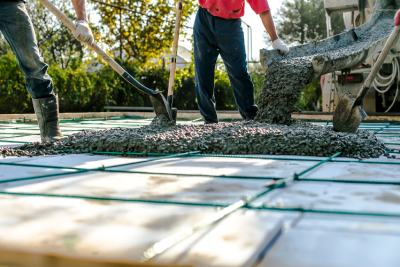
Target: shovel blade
347,116
164,113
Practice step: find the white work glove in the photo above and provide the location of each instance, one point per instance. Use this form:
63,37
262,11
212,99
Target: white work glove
279,45
83,32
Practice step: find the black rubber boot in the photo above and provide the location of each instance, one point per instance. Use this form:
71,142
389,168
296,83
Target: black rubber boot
46,110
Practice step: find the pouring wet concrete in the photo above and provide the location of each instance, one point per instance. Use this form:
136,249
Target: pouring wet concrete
286,76
223,138
282,87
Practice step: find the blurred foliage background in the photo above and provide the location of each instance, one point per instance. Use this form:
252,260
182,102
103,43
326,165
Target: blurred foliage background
138,34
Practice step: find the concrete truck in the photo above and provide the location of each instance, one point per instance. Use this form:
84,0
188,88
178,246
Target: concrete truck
385,96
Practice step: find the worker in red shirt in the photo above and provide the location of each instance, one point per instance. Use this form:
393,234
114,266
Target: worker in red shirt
218,31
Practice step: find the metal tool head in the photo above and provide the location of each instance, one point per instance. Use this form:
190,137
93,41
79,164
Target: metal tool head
348,116
165,115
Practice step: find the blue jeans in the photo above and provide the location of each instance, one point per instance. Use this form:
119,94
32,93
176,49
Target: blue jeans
214,36
16,27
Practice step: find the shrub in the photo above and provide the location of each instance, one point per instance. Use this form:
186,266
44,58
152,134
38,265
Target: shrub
81,90
311,97
223,92
14,97
258,77
185,95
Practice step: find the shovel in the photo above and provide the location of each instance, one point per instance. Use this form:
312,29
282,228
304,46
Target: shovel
161,107
172,66
349,113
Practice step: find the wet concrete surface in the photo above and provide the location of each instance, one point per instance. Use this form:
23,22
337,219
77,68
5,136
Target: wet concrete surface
223,138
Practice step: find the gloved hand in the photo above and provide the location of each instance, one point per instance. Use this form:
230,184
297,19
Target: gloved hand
279,45
83,32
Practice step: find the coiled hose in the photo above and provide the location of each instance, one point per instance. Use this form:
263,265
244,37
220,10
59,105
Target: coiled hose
382,84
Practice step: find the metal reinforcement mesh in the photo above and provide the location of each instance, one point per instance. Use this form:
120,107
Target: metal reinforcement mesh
20,133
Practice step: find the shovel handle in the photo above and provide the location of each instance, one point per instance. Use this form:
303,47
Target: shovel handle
172,67
381,59
99,51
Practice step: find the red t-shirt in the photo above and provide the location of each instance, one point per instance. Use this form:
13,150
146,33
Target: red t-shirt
232,9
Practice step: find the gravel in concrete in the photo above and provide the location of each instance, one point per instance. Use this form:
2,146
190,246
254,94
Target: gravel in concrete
282,87
226,138
284,81
287,76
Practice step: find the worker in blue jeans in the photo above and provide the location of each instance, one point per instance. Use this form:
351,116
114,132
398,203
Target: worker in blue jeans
16,27
218,31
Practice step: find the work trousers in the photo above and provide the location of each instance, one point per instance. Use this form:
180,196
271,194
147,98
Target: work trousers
16,27
215,36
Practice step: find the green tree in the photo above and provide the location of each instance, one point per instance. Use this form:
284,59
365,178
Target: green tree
56,43
140,30
303,21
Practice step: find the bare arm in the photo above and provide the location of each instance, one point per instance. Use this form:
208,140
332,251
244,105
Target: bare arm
80,9
269,25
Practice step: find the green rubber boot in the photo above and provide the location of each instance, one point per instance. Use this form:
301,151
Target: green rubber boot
46,110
